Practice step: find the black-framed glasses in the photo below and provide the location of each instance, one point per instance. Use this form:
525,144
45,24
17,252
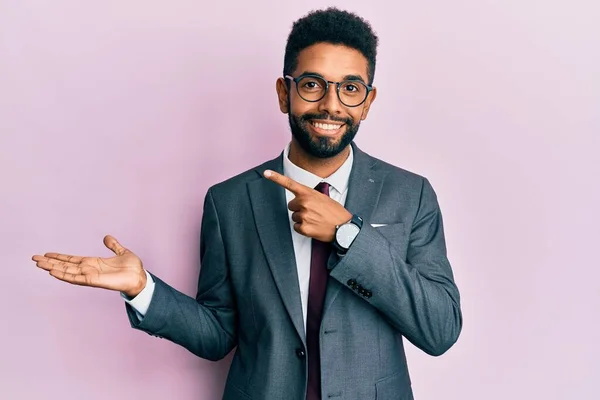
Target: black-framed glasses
312,88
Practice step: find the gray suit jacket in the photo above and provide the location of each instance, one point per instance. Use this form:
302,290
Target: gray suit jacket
394,282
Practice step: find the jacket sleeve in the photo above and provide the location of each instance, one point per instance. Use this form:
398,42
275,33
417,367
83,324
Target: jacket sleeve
204,325
416,293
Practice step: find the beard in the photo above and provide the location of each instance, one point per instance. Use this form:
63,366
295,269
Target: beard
321,146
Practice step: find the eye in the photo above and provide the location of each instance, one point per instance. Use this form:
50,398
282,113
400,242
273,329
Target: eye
350,87
311,84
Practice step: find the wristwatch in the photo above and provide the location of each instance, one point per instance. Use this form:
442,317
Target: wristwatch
346,233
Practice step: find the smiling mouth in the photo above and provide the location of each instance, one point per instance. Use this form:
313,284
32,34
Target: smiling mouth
326,128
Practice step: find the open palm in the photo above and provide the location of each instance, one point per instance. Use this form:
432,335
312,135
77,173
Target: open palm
123,272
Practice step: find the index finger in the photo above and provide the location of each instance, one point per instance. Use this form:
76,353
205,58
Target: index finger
286,182
64,257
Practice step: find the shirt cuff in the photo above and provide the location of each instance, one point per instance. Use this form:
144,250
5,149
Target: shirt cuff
141,302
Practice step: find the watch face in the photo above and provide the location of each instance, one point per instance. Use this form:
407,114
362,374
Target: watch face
346,234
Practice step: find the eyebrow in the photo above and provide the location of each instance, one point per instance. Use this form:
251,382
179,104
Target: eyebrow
345,78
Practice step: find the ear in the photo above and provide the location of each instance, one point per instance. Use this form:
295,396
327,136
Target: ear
368,102
282,95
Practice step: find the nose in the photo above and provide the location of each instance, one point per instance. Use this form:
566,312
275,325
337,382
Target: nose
330,102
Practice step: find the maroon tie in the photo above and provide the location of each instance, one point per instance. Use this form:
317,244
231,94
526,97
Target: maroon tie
316,296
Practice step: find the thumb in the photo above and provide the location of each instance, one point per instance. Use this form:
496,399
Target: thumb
114,245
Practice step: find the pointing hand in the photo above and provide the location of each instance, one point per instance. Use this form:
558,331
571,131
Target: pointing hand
314,213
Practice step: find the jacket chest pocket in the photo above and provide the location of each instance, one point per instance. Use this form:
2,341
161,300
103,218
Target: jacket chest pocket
396,234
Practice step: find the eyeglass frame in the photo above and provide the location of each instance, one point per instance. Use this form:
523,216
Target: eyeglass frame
337,84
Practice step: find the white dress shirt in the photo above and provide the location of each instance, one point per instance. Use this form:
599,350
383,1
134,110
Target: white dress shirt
338,191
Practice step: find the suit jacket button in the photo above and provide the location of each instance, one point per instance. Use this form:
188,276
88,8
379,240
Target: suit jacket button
352,283
300,353
368,294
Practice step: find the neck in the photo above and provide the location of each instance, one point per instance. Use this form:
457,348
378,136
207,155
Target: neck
322,167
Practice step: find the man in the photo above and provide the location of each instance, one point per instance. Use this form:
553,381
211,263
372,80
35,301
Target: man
314,264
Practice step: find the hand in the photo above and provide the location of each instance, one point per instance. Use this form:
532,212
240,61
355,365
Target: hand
124,272
314,213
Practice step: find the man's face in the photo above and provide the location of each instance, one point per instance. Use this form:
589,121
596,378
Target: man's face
324,128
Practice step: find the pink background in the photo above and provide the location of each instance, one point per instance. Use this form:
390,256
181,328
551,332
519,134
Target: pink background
116,116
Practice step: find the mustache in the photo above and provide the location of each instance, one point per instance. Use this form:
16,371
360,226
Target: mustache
325,117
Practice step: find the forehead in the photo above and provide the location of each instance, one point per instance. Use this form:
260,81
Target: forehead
332,61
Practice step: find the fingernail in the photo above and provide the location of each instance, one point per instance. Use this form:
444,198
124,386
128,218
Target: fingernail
267,173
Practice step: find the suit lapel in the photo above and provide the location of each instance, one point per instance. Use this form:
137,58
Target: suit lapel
269,206
364,189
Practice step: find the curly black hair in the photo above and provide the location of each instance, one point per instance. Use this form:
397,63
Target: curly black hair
334,26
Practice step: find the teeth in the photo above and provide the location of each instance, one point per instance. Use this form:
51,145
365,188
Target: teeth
328,127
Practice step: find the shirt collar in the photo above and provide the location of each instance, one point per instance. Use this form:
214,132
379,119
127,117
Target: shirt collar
338,180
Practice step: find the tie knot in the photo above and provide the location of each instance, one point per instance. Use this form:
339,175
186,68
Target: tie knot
323,187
